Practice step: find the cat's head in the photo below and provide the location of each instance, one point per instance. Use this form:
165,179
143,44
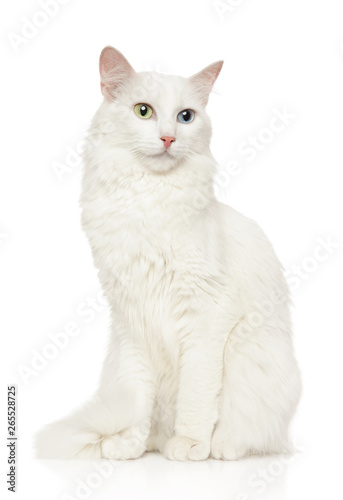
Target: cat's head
160,119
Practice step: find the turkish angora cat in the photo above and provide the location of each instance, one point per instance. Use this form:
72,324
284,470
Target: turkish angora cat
200,361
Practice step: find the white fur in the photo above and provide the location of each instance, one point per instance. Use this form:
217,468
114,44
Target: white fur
200,361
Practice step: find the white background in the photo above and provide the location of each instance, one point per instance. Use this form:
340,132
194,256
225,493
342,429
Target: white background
278,54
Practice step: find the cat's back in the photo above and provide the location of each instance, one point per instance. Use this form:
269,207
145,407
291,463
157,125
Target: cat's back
253,260
240,229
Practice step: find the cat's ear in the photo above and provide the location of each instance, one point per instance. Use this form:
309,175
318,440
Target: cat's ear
203,81
114,71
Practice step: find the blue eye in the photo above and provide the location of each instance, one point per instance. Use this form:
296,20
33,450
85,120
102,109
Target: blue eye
186,116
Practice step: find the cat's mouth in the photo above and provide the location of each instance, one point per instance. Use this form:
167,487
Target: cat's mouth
168,153
164,154
162,161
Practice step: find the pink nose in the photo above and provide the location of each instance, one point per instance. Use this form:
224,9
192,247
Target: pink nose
167,141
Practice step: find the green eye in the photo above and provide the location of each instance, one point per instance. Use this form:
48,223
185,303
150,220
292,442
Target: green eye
143,111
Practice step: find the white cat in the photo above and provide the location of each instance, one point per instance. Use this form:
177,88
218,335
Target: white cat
200,362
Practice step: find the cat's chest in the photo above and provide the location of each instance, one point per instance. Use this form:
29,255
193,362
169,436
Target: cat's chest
146,263
145,243
135,231
143,287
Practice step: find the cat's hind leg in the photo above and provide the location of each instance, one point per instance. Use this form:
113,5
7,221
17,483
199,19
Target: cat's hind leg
261,389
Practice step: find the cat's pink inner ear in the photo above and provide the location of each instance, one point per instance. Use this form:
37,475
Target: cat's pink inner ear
114,71
203,81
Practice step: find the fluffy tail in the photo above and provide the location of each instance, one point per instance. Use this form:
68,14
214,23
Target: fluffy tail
78,436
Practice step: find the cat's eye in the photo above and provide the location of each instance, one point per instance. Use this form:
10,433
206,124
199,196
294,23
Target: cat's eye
143,111
186,116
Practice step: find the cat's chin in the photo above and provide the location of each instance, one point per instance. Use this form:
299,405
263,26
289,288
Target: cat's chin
161,163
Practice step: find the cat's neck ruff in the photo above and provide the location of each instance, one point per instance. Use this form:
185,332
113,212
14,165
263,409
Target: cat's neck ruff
119,183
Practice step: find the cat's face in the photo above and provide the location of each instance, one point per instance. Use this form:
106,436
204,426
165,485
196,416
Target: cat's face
160,119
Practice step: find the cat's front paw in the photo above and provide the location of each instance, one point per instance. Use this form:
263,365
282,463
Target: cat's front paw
183,448
119,447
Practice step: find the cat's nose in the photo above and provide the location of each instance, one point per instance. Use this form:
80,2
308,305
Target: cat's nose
167,140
